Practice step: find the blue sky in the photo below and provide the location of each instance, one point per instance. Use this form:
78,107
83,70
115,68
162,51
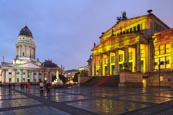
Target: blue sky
65,30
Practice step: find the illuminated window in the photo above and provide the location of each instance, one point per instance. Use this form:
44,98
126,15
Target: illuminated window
162,49
162,63
142,53
112,59
156,50
167,62
156,61
97,63
121,57
105,61
130,56
167,48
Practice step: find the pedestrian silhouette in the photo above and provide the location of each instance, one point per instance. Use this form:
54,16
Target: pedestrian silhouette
41,88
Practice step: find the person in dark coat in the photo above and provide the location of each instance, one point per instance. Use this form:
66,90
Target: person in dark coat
48,86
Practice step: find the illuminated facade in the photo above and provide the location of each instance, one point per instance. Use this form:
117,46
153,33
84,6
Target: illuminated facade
25,66
132,44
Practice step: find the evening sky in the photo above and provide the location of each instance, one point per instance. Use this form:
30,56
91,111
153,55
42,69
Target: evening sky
65,30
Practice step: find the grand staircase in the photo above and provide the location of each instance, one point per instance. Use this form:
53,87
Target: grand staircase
108,81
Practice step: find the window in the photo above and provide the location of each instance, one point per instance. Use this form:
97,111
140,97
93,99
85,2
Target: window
162,63
105,61
167,48
127,31
120,67
134,29
121,57
39,73
35,73
130,30
156,61
162,49
9,73
130,56
23,73
112,59
167,62
142,53
138,28
156,50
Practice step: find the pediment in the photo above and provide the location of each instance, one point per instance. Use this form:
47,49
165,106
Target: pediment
29,65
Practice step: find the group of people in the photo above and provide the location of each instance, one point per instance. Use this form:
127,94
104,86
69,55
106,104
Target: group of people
44,86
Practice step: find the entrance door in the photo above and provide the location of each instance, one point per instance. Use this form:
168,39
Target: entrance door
113,70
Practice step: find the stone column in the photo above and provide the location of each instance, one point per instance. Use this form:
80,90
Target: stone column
108,63
14,76
4,72
21,79
138,58
126,57
116,61
151,55
101,61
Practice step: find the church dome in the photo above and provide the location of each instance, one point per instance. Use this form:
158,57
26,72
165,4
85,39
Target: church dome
26,32
49,63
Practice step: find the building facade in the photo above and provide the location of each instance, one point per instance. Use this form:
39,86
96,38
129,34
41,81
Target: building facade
133,44
25,67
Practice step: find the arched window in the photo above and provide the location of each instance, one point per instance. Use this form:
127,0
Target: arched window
134,29
138,28
127,31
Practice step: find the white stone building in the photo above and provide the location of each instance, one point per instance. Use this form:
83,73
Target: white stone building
25,66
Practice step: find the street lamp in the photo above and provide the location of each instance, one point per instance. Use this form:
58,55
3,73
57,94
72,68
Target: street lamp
160,63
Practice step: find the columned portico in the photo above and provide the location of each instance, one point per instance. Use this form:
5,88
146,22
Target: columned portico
126,57
108,64
101,69
138,58
116,62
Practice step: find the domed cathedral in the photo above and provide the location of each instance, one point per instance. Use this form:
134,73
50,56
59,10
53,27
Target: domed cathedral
25,67
25,46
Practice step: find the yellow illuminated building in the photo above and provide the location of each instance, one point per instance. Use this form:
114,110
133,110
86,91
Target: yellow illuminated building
137,44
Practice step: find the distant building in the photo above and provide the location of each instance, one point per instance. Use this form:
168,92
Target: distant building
70,73
25,67
83,71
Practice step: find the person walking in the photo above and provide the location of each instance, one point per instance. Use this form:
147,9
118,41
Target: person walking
41,88
9,87
48,86
28,86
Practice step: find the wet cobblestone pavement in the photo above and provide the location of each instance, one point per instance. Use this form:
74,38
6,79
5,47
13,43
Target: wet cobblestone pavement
86,101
